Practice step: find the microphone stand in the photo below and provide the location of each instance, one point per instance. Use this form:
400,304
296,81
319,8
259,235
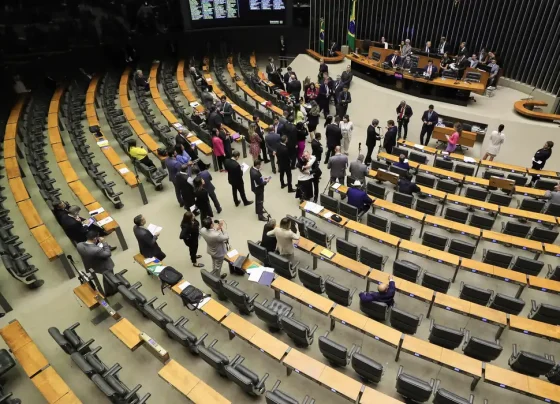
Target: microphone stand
530,97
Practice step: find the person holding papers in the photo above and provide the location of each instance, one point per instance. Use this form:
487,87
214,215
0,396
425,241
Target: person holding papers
235,179
147,238
285,238
430,71
429,120
258,182
190,232
358,198
96,255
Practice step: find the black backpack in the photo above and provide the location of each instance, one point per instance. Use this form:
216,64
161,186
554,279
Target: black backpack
169,277
191,296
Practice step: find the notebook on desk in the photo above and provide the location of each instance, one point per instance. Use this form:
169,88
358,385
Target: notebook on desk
327,253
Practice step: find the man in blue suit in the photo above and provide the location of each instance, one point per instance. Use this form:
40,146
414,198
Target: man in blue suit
430,71
394,59
429,121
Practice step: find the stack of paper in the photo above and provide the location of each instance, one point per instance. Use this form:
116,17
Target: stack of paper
102,143
313,207
244,167
233,253
203,302
190,134
183,285
96,212
262,275
336,185
469,160
328,215
124,170
103,222
197,142
419,146
194,104
152,228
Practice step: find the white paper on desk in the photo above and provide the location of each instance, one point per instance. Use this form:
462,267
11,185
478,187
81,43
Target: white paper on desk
328,215
194,104
197,142
469,160
96,212
124,170
232,253
203,302
152,228
190,134
183,285
158,269
336,185
255,274
103,143
178,126
419,146
263,103
244,167
313,207
103,222
149,260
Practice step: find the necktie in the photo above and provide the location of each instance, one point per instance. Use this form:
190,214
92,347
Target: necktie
393,61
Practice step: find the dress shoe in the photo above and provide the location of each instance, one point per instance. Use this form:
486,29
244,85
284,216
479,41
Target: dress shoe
113,248
219,211
291,191
222,276
283,186
237,203
263,219
248,203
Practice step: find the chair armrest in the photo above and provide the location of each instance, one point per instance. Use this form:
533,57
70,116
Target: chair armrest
330,237
137,285
161,306
144,399
549,271
503,226
112,371
514,347
151,301
261,382
276,385
399,371
132,393
264,302
73,326
213,343
233,283
296,265
533,305
251,300
353,291
420,319
85,345
326,334
433,385
431,324
313,330
200,341
352,350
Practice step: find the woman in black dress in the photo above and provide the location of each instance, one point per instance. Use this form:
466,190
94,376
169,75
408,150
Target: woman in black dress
202,200
269,242
189,235
540,157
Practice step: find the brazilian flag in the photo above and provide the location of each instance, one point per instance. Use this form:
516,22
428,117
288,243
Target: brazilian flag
351,36
322,37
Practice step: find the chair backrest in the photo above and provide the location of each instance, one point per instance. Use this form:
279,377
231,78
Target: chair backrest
465,169
497,258
527,266
403,321
338,293
475,294
244,378
258,252
376,165
456,215
375,190
403,199
238,297
443,396
401,230
532,205
270,317
214,283
443,163
546,313
317,236
482,222
397,151
479,194
552,209
483,350
462,248
435,241
335,353
554,274
329,203
500,199
367,368
425,180
213,357
516,229
311,280
543,235
436,282
417,157
376,310
398,170
347,248
507,304
493,173
545,184
282,265
297,331
413,388
518,178
371,258
530,364
377,222
406,270
348,211
447,186
444,336
427,207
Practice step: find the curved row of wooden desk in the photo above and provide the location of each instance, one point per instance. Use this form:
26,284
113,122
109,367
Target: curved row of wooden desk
328,59
93,207
526,108
39,230
261,75
36,366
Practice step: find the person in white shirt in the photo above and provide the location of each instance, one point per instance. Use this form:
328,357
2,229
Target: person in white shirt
305,177
496,140
285,238
473,60
346,127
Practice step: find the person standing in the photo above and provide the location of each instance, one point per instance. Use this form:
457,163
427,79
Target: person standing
272,140
323,68
301,137
254,143
429,120
208,186
214,118
324,96
497,138
313,118
259,131
235,179
290,130
226,140
333,134
317,152
73,225
282,51
294,87
344,98
258,182
96,255
540,157
202,200
284,164
338,164
147,242
371,139
311,93
173,168
404,113
271,69
390,138
347,76
190,231
305,177
216,246
453,140
358,170
346,129
218,150
285,238
269,242
226,110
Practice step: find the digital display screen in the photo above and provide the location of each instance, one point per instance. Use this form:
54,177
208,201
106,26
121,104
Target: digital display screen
266,5
213,9
224,13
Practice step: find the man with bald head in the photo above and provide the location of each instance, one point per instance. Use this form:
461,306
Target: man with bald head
385,294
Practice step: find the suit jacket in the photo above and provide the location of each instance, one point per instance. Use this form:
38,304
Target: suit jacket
344,98
282,47
257,184
74,229
181,140
173,167
207,177
147,242
316,149
372,136
207,99
427,49
346,78
214,120
324,90
389,59
290,130
185,188
433,119
442,48
407,111
270,69
463,51
358,170
337,164
323,68
96,258
386,297
283,157
227,113
215,242
272,140
390,138
294,88
434,70
333,135
235,173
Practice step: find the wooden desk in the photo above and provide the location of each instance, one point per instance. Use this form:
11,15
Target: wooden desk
52,121
371,396
270,345
29,213
69,398
422,349
59,152
109,227
127,333
30,359
129,177
490,164
349,317
304,365
506,379
286,287
11,131
476,266
82,192
68,171
47,242
342,262
398,209
137,127
488,315
90,98
9,148
15,336
381,332
340,383
18,189
316,302
543,173
532,327
452,303
371,233
12,167
461,363
543,390
87,295
467,138
129,114
544,284
51,385
526,108
332,59
237,325
440,172
204,394
325,214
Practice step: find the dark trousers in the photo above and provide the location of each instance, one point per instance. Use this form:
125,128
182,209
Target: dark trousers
403,123
536,166
147,162
426,130
241,189
288,173
259,203
367,161
324,105
341,110
193,249
329,153
221,160
306,189
212,195
316,189
388,148
272,160
264,152
178,194
292,152
340,180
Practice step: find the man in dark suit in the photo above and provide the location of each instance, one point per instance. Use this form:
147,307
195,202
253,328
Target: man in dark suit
235,179
404,112
394,59
146,240
214,118
337,87
72,224
284,164
294,87
461,65
282,51
270,69
390,138
334,137
173,168
429,120
208,186
226,110
371,140
259,131
323,98
428,47
287,76
344,99
183,181
207,99
323,68
347,76
290,130
430,71
258,182
96,255
463,51
141,82
443,46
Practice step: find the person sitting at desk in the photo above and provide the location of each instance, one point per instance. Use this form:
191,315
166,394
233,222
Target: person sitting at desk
554,195
483,56
430,71
407,63
141,81
332,49
73,225
473,61
406,185
385,294
359,198
444,62
394,59
428,47
402,163
460,65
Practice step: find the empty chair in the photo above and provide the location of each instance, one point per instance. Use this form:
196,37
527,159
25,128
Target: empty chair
481,349
412,388
465,169
329,203
527,266
214,358
272,312
427,207
239,298
475,294
406,270
480,194
156,314
516,229
500,199
346,248
350,212
6,363
376,190
507,304
397,151
404,322
545,184
245,378
338,293
398,170
447,186
436,282
426,180
532,205
444,336
319,237
177,331
417,157
554,375
497,258
259,252
462,248
443,396
368,369
492,173
401,230
376,165
482,222
552,209
276,396
519,179
443,163
336,354
311,280
214,283
372,259
377,222
546,313
553,273
434,241
301,224
403,199
456,215
282,265
299,332
376,310
543,235
529,363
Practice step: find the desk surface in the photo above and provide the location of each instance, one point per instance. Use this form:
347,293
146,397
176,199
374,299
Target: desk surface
51,385
31,359
240,326
269,344
546,285
507,378
302,363
86,294
372,396
543,389
69,398
179,377
15,336
528,326
12,167
422,348
18,189
215,310
350,317
30,214
340,383
127,333
456,360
